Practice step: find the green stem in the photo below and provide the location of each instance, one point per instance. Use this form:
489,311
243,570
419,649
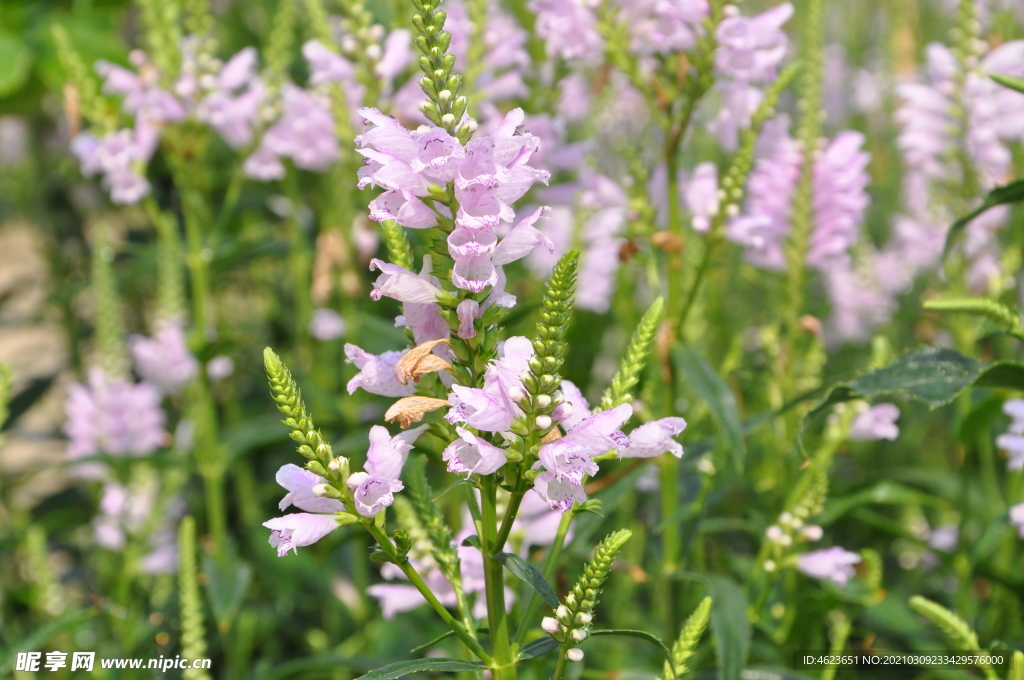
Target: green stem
563,662
494,581
216,512
299,255
414,577
197,265
548,569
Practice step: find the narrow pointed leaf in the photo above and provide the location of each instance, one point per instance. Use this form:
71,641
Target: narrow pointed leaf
538,647
403,668
1010,193
529,574
640,635
696,372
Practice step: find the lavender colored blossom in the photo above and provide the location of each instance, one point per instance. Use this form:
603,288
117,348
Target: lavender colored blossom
750,51
859,302
473,455
403,285
839,202
701,196
493,407
374,489
220,367
112,416
164,360
376,373
876,422
232,107
326,324
505,57
1012,441
944,538
832,564
1017,518
663,26
569,28
304,133
143,96
120,157
655,438
125,511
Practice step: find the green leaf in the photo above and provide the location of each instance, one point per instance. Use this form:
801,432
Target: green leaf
1009,193
439,638
227,586
529,574
884,493
538,647
451,487
717,394
1008,81
472,542
730,623
39,638
15,63
640,635
403,668
930,374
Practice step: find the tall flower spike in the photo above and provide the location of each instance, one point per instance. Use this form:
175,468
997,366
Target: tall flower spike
635,358
108,322
444,106
312,444
542,379
192,634
577,613
685,645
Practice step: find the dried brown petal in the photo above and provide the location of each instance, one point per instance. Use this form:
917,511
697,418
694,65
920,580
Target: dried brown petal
419,361
554,435
409,410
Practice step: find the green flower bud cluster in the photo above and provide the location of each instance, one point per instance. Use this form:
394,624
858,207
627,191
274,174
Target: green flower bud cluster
685,645
109,324
399,251
193,637
170,276
162,35
444,106
734,180
958,632
811,116
541,380
1005,315
84,88
635,358
362,44
429,515
278,53
576,614
312,445
198,19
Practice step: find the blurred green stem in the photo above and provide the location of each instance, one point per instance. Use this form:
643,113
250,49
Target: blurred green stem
414,577
550,564
494,581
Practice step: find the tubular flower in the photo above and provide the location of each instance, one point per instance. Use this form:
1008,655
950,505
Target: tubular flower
832,564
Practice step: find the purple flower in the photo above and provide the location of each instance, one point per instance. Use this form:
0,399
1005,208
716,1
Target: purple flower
113,416
763,226
840,199
859,304
569,28
833,564
220,367
326,65
877,422
655,438
143,96
944,538
1012,441
567,460
752,48
376,373
164,360
473,455
300,529
701,196
228,108
505,58
1017,518
402,285
374,489
326,324
493,407
304,133
664,26
120,157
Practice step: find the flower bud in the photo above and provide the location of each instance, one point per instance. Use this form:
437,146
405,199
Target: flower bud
543,400
769,566
575,655
448,119
516,393
550,625
444,95
578,634
774,533
320,490
570,600
562,613
543,422
584,617
813,532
